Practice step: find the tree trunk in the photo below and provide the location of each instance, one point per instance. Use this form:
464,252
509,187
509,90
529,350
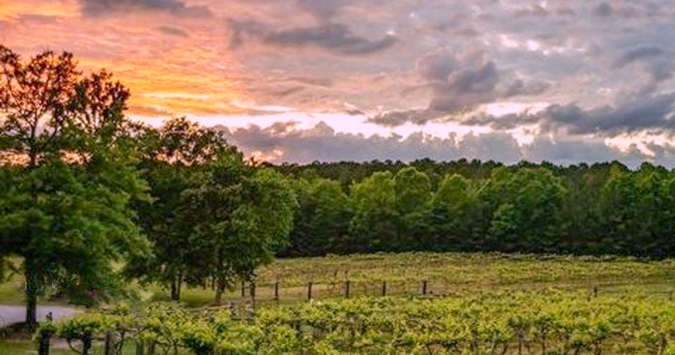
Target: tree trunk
220,289
178,288
175,287
32,287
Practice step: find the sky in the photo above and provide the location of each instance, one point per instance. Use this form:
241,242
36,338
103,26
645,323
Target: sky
329,80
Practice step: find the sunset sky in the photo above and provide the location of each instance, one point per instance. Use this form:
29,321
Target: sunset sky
303,80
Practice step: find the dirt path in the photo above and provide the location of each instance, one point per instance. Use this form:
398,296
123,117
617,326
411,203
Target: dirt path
16,314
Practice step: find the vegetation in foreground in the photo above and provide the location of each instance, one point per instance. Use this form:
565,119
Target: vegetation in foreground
514,322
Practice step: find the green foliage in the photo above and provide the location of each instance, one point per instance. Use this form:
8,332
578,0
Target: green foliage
321,221
237,217
373,226
174,160
68,176
549,322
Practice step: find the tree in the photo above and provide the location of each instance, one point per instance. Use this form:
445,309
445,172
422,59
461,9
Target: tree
321,222
67,176
524,205
638,212
238,217
174,156
454,212
413,197
374,223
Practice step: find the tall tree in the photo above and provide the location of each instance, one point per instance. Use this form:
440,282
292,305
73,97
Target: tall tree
174,156
322,219
453,213
238,216
374,223
413,197
524,204
68,178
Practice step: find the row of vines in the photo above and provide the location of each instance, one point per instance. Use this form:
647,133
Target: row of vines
548,322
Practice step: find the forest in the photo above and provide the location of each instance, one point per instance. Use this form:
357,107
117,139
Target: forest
604,208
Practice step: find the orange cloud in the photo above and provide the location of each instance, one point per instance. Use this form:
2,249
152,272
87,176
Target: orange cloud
11,10
170,73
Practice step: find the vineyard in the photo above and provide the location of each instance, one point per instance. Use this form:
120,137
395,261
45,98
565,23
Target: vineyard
547,322
474,304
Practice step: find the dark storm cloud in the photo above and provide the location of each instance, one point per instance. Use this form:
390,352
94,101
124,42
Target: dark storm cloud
333,37
645,112
648,112
105,7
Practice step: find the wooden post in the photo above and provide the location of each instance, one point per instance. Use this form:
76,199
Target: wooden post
347,287
276,291
45,337
309,291
595,291
424,287
384,288
109,345
243,289
86,345
140,348
44,344
253,294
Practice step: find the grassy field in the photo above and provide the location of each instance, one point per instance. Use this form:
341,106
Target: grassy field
404,274
446,274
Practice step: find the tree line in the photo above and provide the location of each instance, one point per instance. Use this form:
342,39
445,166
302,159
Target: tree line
604,208
83,189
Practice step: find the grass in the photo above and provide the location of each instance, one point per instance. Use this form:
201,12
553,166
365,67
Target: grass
29,348
445,273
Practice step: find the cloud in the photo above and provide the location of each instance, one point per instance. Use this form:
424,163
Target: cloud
657,60
643,112
336,38
283,142
459,84
535,10
568,151
323,10
106,7
397,118
173,31
602,10
641,52
322,143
